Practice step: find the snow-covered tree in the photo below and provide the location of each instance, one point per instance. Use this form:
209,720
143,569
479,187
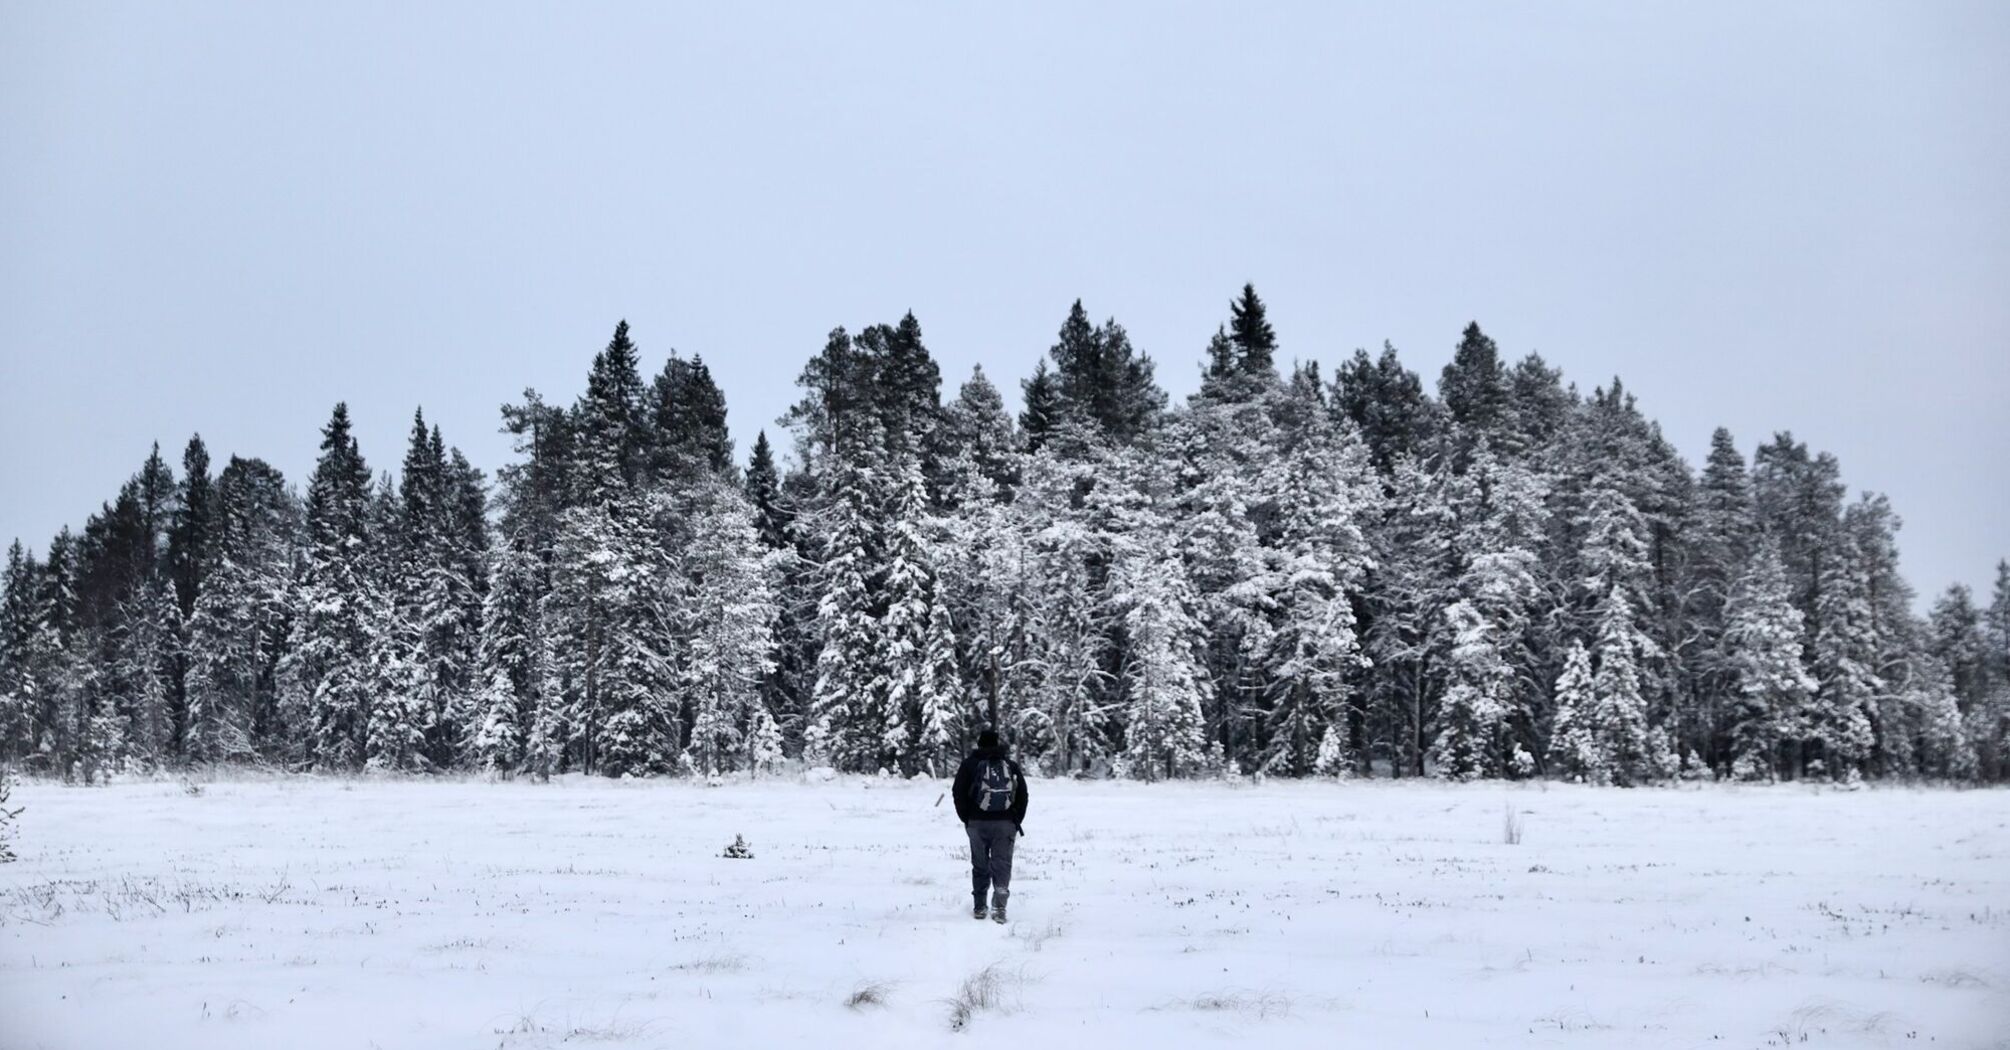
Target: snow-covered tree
1320,558
1165,679
510,659
237,633
1625,749
326,669
848,702
1762,647
1844,665
1574,748
731,609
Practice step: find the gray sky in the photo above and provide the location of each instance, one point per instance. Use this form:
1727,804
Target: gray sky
225,218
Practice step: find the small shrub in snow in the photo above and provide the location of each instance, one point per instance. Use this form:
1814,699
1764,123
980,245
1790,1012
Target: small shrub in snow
1511,826
981,991
739,850
7,817
868,993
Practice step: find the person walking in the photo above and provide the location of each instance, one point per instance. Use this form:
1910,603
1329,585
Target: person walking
990,795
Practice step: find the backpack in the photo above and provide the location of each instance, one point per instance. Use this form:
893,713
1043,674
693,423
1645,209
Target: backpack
994,787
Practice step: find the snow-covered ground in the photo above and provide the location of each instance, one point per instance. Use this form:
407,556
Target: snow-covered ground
318,913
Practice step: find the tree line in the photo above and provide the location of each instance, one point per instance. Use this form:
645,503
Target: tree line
1289,573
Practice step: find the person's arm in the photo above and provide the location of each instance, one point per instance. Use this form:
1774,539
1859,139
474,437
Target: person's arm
1019,798
960,791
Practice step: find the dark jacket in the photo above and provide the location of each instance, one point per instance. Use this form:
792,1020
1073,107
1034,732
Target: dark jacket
965,791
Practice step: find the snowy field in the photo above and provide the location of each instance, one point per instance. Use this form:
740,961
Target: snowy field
311,913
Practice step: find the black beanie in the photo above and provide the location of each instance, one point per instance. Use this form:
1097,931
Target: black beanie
987,739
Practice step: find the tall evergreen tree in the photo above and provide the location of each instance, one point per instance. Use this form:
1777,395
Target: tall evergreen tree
1165,681
1762,643
327,682
1255,341
238,634
21,687
1043,409
1474,385
730,607
1386,403
689,421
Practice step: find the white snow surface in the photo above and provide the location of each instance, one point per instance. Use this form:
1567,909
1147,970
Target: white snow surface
308,913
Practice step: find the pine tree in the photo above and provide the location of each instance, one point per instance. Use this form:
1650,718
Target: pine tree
906,389
20,623
1043,409
54,663
1321,558
326,667
979,439
764,491
237,635
1844,663
1944,747
689,422
731,607
908,655
1165,678
1386,403
1993,723
1483,692
1488,709
1255,341
1100,381
511,671
1474,386
1719,551
1762,646
1406,593
1626,751
611,429
1574,750
847,703
1241,355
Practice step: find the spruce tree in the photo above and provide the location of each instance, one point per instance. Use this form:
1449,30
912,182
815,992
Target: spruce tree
20,623
1762,646
909,589
1255,341
847,702
510,672
326,669
731,607
1041,415
1165,682
764,490
1474,386
1627,753
237,635
613,436
1719,549
1574,749
979,438
1844,662
1321,557
1386,403
689,422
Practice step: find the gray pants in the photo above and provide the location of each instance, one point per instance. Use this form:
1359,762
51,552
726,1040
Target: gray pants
991,858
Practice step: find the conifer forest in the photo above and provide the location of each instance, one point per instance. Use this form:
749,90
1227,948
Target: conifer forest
1354,572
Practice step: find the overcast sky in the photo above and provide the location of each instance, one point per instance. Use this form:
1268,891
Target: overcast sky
225,218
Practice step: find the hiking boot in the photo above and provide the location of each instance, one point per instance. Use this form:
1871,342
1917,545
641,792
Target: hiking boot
998,906
977,910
